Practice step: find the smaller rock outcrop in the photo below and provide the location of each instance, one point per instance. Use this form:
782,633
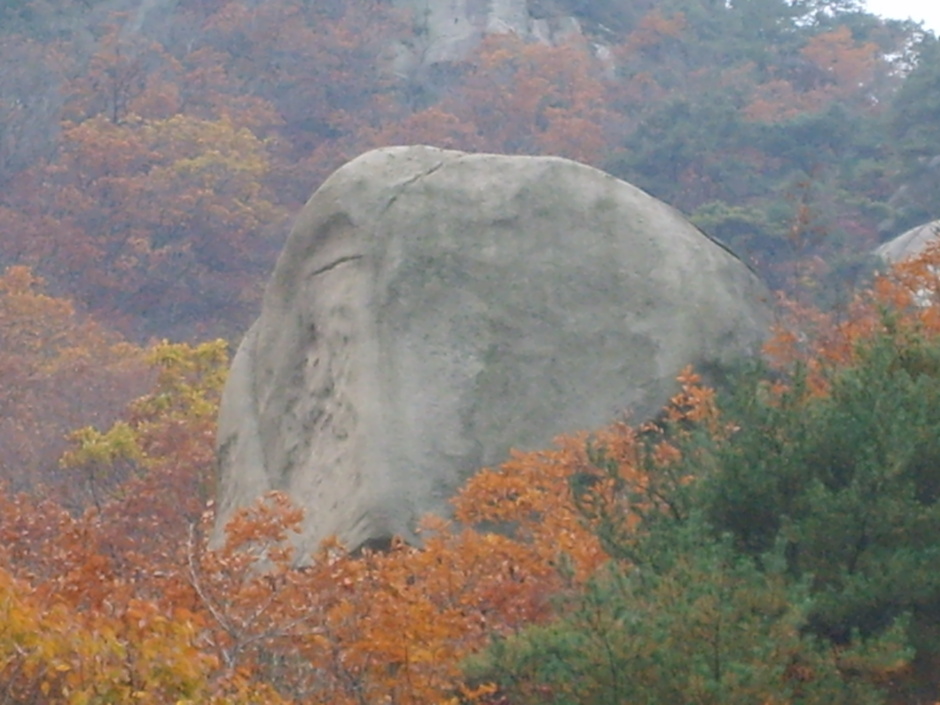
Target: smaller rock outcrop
910,243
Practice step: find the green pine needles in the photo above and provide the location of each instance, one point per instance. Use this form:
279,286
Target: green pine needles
788,557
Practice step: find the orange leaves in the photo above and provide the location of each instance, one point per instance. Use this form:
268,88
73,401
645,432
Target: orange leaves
32,322
695,402
530,493
902,300
778,100
296,54
151,610
151,474
433,125
522,98
654,28
122,77
269,523
845,63
51,653
103,593
58,370
339,630
914,285
163,202
844,70
390,626
233,620
153,217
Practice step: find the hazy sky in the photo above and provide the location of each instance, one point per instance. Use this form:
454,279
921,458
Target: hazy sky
927,11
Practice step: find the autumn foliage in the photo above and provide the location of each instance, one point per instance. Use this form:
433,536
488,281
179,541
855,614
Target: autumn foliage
148,174
118,590
59,369
147,178
114,587
115,590
902,301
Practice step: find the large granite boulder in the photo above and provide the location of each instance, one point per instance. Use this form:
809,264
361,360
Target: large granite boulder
433,309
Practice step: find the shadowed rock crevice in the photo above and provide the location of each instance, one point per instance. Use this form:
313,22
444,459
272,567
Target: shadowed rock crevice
333,265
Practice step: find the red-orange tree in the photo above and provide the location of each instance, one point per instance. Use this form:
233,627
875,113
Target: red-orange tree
156,221
534,99
58,369
338,629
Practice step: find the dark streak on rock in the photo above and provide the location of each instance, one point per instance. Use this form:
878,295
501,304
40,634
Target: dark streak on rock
333,265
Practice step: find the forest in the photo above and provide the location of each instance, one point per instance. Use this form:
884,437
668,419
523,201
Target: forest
773,541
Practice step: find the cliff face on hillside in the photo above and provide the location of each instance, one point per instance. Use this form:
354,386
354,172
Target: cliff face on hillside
447,30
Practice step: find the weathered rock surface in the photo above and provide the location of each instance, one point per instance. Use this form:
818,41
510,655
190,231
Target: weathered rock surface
449,30
433,309
909,244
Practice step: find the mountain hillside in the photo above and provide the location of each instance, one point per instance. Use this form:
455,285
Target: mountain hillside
153,152
771,544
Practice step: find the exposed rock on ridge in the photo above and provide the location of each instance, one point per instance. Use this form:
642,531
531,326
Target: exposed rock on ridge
448,30
910,243
433,309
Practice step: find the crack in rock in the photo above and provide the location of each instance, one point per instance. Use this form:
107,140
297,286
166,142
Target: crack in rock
334,265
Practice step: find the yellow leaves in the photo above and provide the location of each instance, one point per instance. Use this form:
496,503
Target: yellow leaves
216,154
69,657
91,446
167,432
218,624
174,165
189,382
472,694
158,212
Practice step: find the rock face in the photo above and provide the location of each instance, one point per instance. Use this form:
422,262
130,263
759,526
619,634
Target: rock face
450,29
433,309
910,243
